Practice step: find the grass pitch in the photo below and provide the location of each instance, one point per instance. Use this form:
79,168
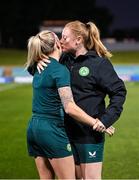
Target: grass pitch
18,57
121,159
121,156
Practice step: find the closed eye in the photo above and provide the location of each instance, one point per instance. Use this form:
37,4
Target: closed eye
64,38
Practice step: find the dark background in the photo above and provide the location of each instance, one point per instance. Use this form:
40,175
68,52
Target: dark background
21,19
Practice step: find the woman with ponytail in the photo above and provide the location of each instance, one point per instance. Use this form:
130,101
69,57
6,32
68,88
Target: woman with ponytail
46,136
92,78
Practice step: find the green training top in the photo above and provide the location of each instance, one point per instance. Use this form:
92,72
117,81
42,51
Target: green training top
46,100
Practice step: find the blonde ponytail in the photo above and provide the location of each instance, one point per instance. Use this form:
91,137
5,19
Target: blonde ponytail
34,49
40,46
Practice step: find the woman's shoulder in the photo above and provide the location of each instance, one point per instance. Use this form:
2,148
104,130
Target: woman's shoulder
58,68
98,59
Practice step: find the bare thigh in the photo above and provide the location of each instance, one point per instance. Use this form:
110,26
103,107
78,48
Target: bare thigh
78,172
44,168
91,170
64,167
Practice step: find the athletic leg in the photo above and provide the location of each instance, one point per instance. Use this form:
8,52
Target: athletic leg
91,170
76,161
64,167
44,167
78,172
91,158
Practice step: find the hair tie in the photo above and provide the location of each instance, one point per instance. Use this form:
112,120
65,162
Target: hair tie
87,25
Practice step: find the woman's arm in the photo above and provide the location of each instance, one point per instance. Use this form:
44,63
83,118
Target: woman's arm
72,109
77,113
31,69
112,85
40,66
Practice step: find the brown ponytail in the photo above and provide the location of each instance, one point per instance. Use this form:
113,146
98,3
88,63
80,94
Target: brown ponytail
90,35
94,41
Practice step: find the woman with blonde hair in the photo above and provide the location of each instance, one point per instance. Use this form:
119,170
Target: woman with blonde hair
46,136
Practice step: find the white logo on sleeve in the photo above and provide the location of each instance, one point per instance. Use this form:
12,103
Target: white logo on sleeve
91,155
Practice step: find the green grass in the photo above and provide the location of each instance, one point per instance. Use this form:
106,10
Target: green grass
18,57
15,110
121,159
122,150
12,57
129,57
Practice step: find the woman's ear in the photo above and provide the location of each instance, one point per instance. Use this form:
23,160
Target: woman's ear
78,40
58,46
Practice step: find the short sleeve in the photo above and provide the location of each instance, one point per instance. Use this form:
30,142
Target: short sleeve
62,76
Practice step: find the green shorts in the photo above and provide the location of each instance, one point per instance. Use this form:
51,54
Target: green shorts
87,153
48,139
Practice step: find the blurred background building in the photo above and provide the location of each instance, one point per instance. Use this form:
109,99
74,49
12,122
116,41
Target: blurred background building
117,21
21,19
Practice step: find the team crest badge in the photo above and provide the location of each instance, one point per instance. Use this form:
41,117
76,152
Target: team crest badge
69,147
84,71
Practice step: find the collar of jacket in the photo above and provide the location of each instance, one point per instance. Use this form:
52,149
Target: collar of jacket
87,55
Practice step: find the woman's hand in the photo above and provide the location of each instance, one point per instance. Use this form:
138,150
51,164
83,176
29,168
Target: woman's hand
110,131
42,63
99,126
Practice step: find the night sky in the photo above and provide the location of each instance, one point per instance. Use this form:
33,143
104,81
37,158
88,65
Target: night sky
21,19
126,12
